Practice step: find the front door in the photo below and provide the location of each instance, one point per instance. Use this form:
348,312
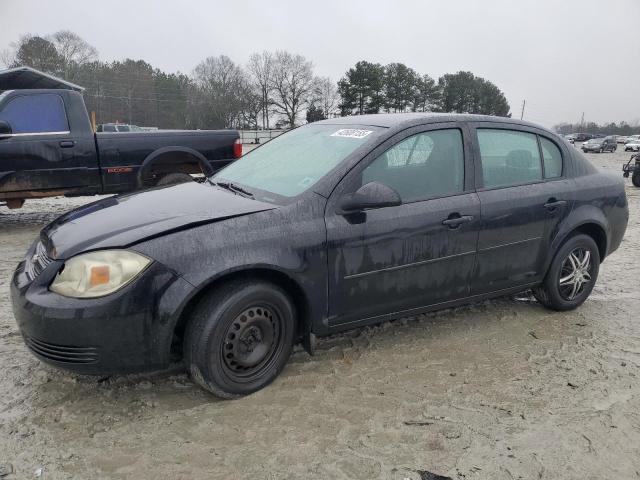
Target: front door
422,252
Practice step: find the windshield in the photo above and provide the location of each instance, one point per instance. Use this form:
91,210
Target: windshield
293,162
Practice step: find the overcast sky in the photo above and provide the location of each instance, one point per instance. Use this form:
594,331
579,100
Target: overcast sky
564,57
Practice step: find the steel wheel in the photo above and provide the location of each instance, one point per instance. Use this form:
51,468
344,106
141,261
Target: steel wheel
251,342
575,273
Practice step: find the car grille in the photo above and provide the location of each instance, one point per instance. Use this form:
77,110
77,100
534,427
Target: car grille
38,262
62,353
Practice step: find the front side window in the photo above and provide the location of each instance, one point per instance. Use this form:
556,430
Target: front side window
291,163
37,113
426,165
508,157
552,158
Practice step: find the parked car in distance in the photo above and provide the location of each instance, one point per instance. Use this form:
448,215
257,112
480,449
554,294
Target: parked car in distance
337,224
571,138
602,144
48,148
621,139
632,144
582,137
118,127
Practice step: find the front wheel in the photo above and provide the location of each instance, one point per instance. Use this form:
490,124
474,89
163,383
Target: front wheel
572,274
240,338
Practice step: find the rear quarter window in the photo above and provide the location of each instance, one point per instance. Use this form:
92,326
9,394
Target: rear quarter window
552,158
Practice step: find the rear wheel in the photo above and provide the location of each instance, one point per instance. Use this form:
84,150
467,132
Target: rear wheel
572,274
174,178
240,338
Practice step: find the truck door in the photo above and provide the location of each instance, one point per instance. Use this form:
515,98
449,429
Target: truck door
44,153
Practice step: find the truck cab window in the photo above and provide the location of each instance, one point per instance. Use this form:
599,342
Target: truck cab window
42,113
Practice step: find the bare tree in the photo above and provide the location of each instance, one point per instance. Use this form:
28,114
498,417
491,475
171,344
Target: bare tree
260,68
326,95
292,84
221,86
73,49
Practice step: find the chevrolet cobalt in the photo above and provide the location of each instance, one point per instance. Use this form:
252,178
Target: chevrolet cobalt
334,225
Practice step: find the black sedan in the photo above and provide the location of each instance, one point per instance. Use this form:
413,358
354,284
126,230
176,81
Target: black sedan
334,225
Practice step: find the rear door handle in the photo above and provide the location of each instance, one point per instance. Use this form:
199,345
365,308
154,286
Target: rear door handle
67,144
455,220
552,204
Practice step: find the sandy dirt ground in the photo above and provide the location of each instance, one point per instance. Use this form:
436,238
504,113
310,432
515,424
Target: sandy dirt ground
498,390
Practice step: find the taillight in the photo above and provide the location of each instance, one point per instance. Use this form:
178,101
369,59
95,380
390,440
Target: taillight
237,148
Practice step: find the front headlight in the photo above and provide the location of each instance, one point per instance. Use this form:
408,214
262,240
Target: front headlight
100,273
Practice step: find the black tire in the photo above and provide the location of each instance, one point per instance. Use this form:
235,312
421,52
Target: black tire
174,179
635,178
240,338
555,296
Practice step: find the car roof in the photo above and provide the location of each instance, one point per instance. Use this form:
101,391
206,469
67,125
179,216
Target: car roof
389,120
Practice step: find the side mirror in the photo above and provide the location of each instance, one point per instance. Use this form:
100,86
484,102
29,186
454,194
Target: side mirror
5,129
369,196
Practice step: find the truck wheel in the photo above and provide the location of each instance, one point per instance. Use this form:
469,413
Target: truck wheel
240,338
571,276
174,178
635,178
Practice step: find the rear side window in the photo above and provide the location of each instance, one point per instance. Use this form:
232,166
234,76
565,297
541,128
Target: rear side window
39,113
552,158
509,157
426,165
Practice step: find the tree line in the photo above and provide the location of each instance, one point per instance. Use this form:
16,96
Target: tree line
373,88
611,128
274,89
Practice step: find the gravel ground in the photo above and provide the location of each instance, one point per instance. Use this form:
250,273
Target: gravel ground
497,390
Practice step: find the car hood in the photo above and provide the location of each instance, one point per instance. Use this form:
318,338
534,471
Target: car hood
124,220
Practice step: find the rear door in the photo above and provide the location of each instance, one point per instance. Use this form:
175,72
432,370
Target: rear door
524,194
43,153
420,253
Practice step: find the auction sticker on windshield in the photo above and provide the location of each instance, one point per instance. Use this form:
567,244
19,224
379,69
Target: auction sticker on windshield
351,133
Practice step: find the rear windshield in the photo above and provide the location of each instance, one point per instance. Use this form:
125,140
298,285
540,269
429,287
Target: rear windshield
292,163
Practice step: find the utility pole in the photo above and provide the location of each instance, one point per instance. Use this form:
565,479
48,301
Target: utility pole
522,113
129,104
582,121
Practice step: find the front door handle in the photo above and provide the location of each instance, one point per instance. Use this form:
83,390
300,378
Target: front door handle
552,204
67,144
455,220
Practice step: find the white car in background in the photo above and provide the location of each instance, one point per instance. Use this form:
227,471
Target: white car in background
632,144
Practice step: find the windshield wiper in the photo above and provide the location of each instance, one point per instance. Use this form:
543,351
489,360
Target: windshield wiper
232,187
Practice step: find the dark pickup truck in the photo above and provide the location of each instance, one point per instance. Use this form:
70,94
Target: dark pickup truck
48,148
